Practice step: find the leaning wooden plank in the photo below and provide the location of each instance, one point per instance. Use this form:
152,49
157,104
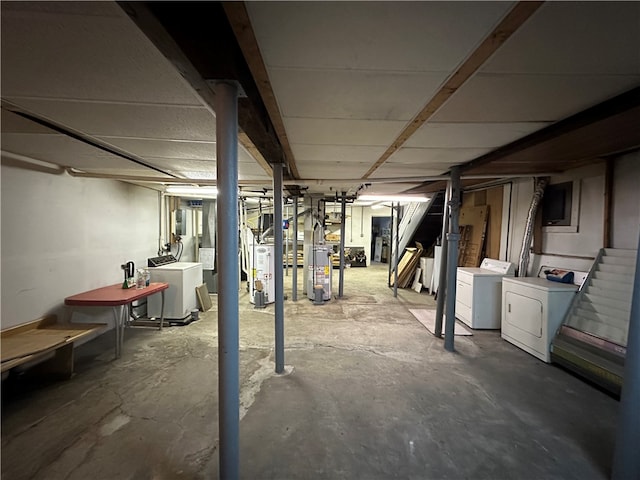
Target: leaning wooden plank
406,256
203,297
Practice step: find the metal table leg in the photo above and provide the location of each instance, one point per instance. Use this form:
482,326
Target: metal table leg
117,315
162,310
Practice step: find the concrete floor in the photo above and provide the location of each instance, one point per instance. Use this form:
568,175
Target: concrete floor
372,395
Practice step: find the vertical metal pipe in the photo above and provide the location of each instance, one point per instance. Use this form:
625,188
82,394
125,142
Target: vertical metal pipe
442,274
390,246
397,247
452,259
226,108
286,248
343,215
294,271
626,461
278,277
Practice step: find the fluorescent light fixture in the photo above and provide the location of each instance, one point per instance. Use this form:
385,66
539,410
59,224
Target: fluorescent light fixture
394,198
206,192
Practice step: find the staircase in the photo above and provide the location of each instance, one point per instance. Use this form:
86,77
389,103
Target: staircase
593,338
411,219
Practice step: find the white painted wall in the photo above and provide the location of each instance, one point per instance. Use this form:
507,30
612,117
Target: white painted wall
358,227
560,248
64,235
626,201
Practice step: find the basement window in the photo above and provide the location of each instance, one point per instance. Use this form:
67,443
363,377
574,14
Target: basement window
560,207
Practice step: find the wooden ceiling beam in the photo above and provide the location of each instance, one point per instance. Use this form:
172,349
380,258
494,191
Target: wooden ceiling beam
518,15
241,24
197,38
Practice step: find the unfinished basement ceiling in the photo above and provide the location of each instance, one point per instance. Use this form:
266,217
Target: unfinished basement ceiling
356,92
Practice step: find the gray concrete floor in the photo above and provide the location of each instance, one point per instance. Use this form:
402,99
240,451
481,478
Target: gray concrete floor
372,395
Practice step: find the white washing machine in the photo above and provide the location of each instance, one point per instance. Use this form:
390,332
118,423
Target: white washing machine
180,297
479,293
532,310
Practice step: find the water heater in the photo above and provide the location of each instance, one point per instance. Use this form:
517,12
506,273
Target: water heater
262,260
320,268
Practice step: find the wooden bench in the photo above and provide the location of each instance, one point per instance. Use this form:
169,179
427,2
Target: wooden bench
37,340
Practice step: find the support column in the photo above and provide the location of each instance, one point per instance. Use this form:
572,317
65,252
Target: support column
294,271
442,273
278,276
626,461
452,259
390,246
343,215
226,108
396,248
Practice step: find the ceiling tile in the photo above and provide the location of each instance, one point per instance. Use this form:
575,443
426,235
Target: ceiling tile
63,150
127,120
438,157
349,170
530,98
574,38
353,94
408,171
328,154
165,149
91,57
322,131
470,135
406,36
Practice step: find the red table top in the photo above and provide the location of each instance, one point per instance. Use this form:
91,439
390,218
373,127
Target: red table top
114,295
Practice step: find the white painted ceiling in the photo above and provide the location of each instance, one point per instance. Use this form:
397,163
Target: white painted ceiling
348,77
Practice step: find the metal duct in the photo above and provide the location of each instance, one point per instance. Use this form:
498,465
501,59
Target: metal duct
538,193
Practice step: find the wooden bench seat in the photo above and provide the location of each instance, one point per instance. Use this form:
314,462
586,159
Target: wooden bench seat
38,339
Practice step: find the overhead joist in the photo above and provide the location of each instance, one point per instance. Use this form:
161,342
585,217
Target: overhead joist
241,25
608,128
197,38
516,17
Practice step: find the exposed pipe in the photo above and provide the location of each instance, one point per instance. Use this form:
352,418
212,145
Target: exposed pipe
343,214
31,163
305,181
442,273
294,281
538,193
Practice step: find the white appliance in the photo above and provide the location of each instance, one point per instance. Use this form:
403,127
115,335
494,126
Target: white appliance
426,267
532,311
320,269
180,297
479,293
262,268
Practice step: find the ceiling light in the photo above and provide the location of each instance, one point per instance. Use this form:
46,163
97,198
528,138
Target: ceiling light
200,192
394,198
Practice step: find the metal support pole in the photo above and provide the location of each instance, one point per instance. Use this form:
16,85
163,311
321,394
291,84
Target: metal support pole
397,247
226,108
626,461
294,271
442,274
278,277
452,259
390,246
278,273
286,249
343,216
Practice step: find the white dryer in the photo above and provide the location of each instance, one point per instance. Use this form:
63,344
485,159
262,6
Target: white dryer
479,293
532,311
